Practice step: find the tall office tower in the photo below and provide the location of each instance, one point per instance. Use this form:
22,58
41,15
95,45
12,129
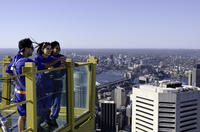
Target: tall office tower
196,76
80,87
119,96
108,116
121,118
141,62
128,114
190,78
173,108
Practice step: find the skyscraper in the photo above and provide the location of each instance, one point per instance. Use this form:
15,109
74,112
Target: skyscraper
108,116
190,78
196,76
119,96
166,109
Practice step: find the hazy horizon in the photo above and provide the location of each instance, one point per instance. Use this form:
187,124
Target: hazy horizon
119,48
97,24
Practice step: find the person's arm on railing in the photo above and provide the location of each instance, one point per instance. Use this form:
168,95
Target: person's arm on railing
61,73
50,64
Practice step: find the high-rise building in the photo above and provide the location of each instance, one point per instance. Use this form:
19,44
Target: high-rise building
196,76
172,108
108,116
128,114
119,96
121,118
190,78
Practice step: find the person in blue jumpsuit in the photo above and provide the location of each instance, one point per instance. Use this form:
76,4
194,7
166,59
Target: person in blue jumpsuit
44,83
15,68
57,84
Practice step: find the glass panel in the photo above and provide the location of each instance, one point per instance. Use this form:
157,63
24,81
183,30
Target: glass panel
63,102
10,117
12,91
81,89
62,118
51,98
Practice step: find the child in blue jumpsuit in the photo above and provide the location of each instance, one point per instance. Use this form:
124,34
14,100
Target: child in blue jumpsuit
44,84
57,84
15,68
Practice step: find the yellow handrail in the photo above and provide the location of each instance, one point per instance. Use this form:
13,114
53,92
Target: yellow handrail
23,74
28,129
83,63
11,77
40,71
52,69
14,105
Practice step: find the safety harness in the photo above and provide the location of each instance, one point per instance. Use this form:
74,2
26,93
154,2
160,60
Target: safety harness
19,83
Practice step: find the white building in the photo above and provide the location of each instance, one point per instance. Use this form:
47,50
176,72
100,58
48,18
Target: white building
190,78
166,109
119,96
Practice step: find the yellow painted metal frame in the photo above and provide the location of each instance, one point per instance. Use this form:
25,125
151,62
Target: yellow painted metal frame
82,123
31,106
88,87
6,83
70,95
94,61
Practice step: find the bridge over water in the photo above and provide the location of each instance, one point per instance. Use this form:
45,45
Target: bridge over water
110,85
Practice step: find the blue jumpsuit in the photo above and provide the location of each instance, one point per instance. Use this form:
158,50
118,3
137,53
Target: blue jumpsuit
45,87
15,67
57,84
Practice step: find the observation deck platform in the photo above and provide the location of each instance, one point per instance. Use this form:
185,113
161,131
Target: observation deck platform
77,112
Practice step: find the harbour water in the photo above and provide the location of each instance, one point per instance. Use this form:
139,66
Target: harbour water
109,76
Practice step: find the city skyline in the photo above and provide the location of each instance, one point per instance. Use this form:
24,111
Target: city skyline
155,24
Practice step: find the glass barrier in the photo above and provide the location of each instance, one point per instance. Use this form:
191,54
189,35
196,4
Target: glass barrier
81,89
63,102
12,91
51,99
11,119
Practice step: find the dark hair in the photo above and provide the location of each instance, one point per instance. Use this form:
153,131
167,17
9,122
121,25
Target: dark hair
41,46
25,43
54,43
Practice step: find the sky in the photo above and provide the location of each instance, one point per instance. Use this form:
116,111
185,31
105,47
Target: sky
171,24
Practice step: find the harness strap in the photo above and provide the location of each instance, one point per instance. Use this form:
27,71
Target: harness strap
13,68
20,91
58,78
